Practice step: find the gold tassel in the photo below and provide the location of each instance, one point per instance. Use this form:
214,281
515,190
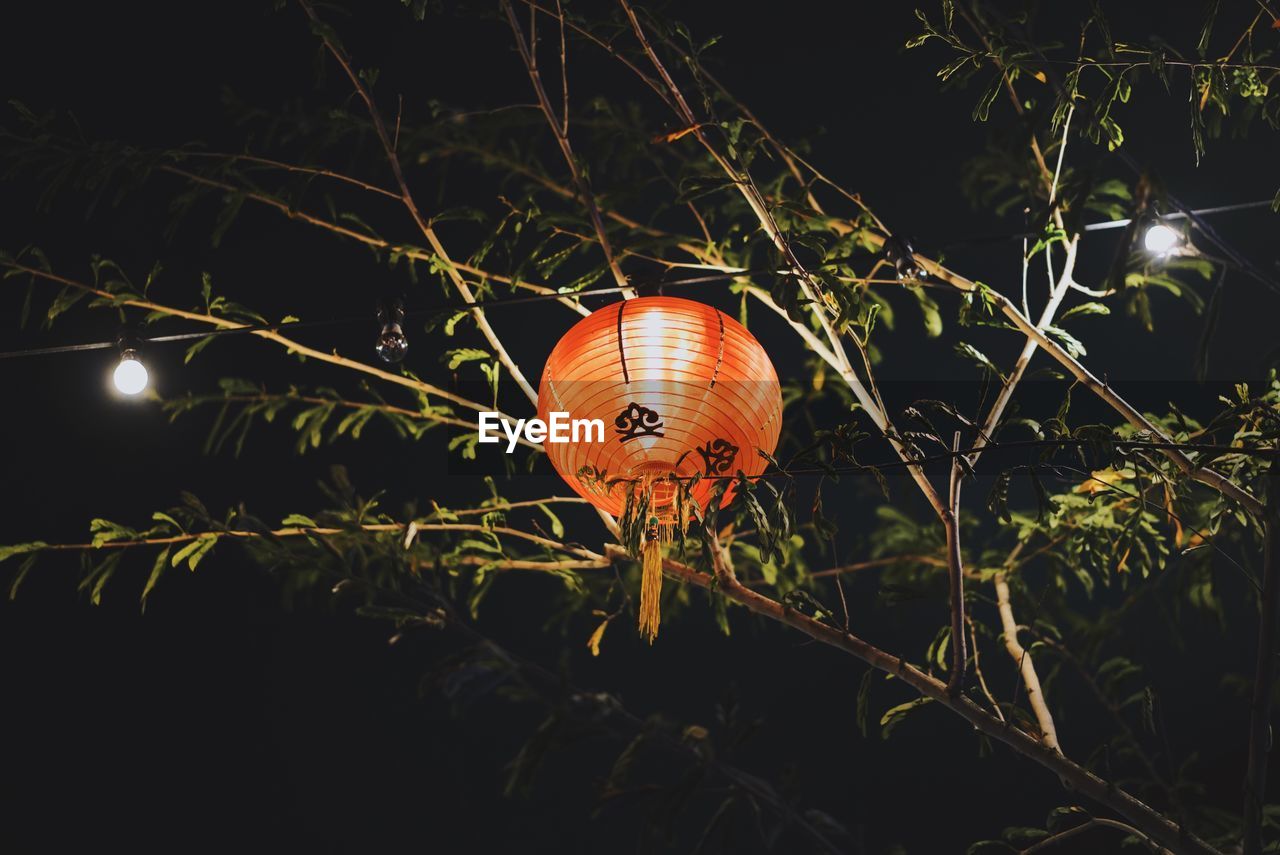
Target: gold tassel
651,582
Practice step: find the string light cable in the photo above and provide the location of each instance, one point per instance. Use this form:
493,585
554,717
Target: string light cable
1181,213
392,345
392,313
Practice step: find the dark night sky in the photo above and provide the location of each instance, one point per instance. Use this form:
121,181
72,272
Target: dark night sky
219,718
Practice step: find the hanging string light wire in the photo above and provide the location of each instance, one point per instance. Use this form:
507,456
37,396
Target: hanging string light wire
1194,216
426,312
1237,258
1181,214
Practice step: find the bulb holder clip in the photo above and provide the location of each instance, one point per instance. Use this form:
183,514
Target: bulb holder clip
899,252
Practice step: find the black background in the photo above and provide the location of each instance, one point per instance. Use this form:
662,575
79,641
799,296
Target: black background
220,718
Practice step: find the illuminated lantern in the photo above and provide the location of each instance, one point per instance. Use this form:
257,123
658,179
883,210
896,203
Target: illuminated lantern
687,396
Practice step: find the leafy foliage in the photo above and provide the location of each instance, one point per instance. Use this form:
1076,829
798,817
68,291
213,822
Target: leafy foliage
1084,523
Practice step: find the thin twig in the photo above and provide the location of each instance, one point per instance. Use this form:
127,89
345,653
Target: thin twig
955,566
809,288
1260,733
560,128
291,167
411,206
977,669
1035,695
1094,822
366,239
271,335
1075,777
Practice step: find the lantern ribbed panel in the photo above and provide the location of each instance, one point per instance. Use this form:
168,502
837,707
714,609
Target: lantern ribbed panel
704,376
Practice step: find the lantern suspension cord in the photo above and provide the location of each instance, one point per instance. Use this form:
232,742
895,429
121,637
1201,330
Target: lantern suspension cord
622,350
715,373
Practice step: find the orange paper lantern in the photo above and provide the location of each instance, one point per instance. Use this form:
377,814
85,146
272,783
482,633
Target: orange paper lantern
682,390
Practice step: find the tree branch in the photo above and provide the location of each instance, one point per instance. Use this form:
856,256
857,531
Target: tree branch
1260,731
955,575
1035,695
1092,823
428,232
270,335
1073,776
368,240
350,405
1205,475
811,292
587,558
290,167
560,129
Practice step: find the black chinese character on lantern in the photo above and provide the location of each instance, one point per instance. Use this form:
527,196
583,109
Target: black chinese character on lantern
636,421
717,456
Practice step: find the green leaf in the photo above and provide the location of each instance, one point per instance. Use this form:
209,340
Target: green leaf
929,308
198,346
894,715
23,569
864,701
1202,46
1072,345
1085,309
460,355
970,352
983,108
1023,834
105,572
467,442
195,550
300,520
157,570
557,527
7,552
105,531
480,546
161,516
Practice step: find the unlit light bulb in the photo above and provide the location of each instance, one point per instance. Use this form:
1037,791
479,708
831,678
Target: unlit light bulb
1161,239
130,375
392,345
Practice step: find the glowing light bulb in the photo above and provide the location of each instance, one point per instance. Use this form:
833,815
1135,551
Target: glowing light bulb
130,375
1161,239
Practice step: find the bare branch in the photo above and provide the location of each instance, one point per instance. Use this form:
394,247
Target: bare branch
810,289
290,167
1260,738
1075,777
560,129
1035,695
955,575
427,231
1203,474
292,346
366,239
1092,823
977,669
